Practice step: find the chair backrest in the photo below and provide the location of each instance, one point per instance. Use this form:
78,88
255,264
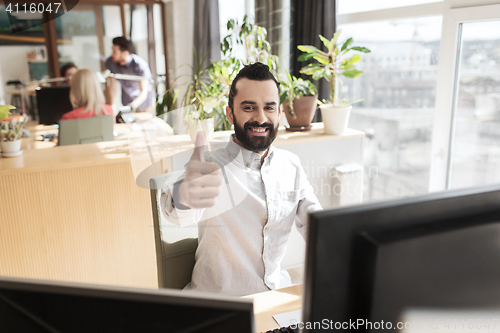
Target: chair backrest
175,246
86,130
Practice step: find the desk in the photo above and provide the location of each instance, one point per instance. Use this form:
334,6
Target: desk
270,303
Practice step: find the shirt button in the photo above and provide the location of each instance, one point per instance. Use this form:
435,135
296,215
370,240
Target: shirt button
266,228
248,165
265,257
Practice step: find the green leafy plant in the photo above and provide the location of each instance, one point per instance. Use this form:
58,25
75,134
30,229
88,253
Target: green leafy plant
333,64
295,88
5,111
208,88
11,130
253,38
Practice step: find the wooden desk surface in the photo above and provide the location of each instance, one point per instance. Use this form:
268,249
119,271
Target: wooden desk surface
161,147
274,302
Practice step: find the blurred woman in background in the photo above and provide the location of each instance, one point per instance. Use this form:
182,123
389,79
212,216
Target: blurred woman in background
67,72
86,96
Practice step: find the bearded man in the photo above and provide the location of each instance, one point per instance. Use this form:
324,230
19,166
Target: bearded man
245,197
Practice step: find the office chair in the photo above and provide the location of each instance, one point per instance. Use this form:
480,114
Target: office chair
86,130
175,246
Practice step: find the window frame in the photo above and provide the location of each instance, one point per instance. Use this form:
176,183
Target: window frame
453,13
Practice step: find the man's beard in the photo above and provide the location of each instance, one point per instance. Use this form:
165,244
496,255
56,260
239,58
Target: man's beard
254,143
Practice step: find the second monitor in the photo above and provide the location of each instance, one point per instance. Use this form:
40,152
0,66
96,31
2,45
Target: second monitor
370,267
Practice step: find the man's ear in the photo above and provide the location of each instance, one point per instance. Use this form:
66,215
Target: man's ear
229,115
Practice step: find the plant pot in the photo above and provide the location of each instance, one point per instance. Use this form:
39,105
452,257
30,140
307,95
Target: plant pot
305,108
335,118
205,125
11,148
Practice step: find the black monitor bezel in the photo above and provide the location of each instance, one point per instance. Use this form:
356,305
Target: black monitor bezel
333,235
138,295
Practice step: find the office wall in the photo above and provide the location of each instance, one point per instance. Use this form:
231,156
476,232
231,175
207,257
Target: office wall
14,65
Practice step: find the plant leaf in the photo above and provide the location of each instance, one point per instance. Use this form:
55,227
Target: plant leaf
354,59
360,49
352,73
318,75
309,49
323,59
306,56
328,43
335,37
310,69
346,44
346,65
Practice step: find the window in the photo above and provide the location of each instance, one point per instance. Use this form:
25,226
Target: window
356,6
398,101
438,101
475,157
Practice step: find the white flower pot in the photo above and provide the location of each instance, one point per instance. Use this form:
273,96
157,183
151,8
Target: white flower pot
205,125
11,148
335,118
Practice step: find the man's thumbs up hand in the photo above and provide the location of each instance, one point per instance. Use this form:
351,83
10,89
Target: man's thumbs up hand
199,147
201,185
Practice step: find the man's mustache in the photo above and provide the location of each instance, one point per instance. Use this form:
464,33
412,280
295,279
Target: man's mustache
256,124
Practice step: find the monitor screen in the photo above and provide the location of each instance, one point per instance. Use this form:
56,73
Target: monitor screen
371,267
52,103
41,306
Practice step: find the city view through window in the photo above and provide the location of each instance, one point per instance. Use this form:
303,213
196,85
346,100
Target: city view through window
398,89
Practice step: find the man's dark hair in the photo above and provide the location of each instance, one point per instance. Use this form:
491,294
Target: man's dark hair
124,44
257,72
65,68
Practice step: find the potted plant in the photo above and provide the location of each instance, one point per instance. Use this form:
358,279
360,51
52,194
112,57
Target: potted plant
299,100
198,102
11,132
332,65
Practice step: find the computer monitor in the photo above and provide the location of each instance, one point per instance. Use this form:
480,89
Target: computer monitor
52,103
40,306
380,262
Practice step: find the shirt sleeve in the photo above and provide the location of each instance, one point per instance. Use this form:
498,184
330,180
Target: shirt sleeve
109,64
142,68
308,203
181,217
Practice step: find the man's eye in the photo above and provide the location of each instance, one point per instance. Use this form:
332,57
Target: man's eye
248,108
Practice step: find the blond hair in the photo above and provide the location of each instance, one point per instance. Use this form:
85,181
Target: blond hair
86,92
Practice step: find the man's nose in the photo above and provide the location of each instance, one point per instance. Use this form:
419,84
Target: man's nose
260,117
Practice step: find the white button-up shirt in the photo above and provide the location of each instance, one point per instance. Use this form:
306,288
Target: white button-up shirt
243,238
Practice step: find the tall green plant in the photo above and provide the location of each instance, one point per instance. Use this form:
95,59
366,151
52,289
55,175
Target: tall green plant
253,38
208,89
333,64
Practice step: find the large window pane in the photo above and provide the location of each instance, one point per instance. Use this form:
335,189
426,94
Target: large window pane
77,39
356,6
398,87
476,140
136,19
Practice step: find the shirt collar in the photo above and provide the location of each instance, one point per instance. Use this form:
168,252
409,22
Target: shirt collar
247,156
130,61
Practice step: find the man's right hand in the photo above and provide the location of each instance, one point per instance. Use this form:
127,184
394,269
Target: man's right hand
200,187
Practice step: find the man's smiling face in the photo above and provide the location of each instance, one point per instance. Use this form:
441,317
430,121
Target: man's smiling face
255,114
